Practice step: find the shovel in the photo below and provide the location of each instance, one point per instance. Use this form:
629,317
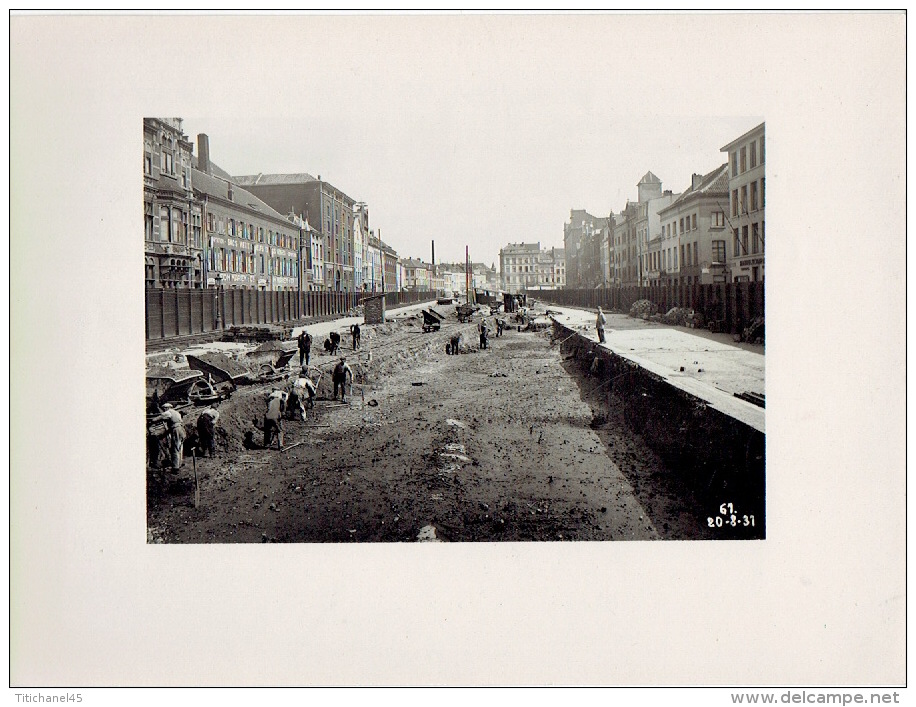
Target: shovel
196,482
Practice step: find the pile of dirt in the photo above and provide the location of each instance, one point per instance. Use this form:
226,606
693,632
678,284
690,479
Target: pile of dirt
643,309
229,364
677,316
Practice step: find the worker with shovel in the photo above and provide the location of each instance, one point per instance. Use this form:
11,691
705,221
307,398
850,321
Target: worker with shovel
273,424
175,435
341,372
206,431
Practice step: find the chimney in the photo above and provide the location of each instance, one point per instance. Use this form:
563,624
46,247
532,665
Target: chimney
203,153
696,179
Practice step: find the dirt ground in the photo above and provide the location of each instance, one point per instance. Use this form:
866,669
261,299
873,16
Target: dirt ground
499,444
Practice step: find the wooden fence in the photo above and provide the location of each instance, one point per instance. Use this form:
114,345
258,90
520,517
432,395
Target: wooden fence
171,313
735,303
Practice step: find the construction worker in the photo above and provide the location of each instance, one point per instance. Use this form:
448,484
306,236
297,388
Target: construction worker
341,372
305,347
175,435
206,430
305,388
500,324
454,344
484,334
355,332
273,418
599,325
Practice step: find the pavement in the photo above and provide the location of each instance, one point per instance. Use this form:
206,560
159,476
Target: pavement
713,371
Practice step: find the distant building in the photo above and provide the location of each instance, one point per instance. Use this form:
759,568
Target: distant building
747,202
584,240
173,241
327,208
636,232
691,249
374,268
526,266
391,268
360,244
417,275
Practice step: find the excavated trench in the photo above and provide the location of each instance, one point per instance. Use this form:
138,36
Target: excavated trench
712,461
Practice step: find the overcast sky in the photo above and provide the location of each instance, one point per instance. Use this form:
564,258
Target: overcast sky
469,130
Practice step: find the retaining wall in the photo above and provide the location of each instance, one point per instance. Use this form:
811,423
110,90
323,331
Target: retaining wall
720,458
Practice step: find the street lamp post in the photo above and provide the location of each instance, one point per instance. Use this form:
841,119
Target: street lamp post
219,284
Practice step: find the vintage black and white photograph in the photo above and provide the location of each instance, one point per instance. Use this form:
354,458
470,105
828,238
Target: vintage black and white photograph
419,348
337,363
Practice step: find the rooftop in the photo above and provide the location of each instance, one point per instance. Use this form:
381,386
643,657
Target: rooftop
219,187
251,180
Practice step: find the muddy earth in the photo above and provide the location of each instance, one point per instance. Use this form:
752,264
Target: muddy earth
506,443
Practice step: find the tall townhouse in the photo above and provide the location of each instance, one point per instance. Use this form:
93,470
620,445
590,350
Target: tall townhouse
692,246
360,245
747,202
374,272
173,245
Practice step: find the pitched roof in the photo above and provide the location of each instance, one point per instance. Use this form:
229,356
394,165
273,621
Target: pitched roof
260,179
649,178
714,183
214,186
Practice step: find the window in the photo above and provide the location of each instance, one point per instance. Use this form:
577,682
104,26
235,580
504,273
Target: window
762,156
744,250
743,199
763,200
148,221
682,254
718,250
168,164
682,225
763,239
755,243
734,202
164,224
743,160
696,254
753,196
147,163
736,246
734,157
753,150
694,224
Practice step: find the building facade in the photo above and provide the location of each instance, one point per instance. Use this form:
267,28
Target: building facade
747,202
328,209
693,242
417,275
525,266
173,239
584,239
248,244
374,271
636,234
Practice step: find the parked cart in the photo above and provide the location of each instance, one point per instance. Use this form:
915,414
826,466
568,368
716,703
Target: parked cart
432,320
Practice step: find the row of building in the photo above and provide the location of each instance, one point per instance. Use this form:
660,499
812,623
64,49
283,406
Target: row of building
713,231
207,228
